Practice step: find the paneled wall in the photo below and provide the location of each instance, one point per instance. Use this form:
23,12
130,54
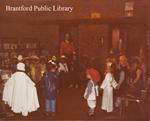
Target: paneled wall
93,41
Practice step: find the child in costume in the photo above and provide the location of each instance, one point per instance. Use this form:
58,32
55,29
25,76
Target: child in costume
63,72
50,88
20,92
107,85
91,91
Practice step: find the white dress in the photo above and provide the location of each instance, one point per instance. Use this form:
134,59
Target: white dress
107,99
20,94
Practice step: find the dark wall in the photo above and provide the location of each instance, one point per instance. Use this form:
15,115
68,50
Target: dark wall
82,9
39,25
86,37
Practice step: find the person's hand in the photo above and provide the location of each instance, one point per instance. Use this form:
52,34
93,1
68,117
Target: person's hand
118,87
85,97
100,89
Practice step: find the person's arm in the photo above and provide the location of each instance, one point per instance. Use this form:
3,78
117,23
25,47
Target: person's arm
96,89
30,82
138,73
41,83
105,81
61,68
122,78
114,84
66,68
128,80
88,90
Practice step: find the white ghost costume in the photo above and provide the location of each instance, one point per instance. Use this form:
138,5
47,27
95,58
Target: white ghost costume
20,92
107,99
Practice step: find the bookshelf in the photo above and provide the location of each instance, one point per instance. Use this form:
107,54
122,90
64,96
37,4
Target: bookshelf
10,47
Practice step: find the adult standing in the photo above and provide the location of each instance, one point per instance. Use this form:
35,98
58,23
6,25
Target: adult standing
122,76
67,49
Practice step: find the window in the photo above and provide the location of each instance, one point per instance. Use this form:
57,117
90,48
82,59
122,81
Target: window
129,8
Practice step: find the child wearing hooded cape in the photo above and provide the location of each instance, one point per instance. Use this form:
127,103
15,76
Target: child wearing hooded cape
91,91
50,88
20,92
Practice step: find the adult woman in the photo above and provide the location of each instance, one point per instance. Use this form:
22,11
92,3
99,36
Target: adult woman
136,78
122,76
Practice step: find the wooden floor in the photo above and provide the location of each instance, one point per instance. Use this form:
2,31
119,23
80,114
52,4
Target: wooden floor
72,106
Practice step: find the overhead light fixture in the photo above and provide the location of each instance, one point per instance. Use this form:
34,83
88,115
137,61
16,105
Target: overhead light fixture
95,15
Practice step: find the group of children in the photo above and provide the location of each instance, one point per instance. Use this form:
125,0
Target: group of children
92,89
48,72
121,78
53,74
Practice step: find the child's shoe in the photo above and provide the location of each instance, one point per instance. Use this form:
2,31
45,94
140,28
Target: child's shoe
47,114
91,112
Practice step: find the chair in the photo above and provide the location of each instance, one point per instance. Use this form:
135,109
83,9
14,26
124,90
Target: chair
138,100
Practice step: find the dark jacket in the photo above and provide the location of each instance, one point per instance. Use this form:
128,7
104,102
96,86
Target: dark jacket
50,85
